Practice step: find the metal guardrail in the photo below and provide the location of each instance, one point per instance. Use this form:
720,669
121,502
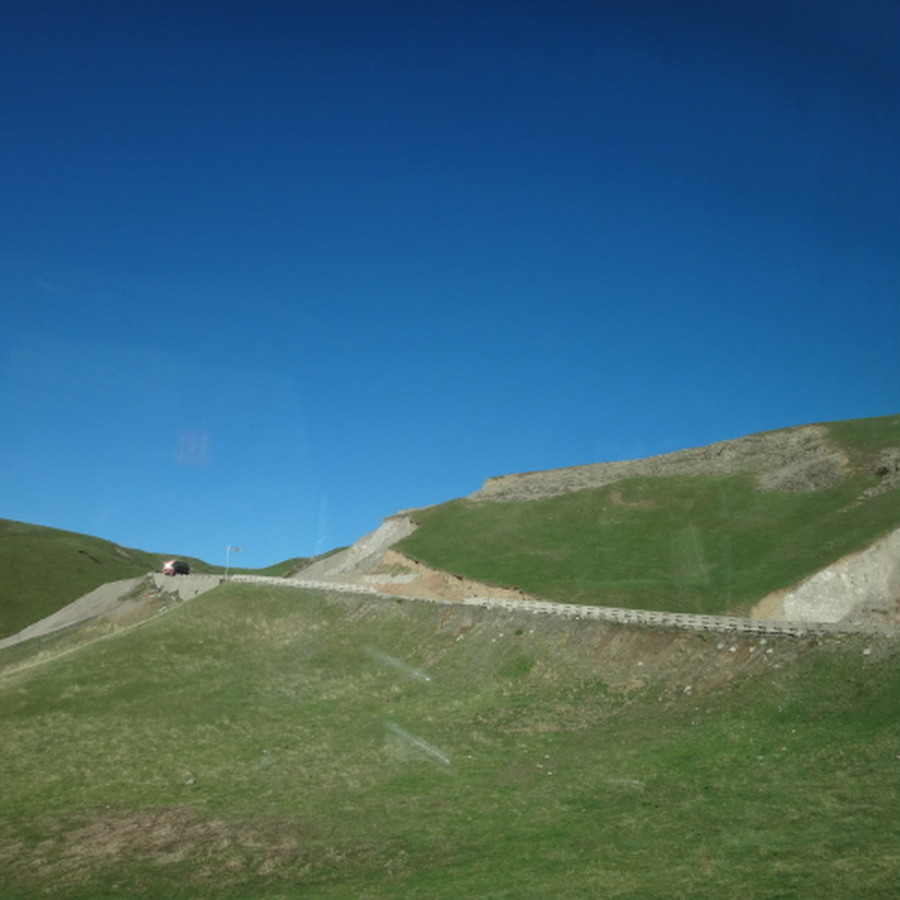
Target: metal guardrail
694,622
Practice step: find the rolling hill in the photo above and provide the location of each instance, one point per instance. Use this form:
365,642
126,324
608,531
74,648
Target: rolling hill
42,569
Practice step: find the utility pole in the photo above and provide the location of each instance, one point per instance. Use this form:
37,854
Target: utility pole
228,551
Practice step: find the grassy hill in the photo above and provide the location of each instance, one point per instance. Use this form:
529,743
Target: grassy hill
273,743
701,543
43,569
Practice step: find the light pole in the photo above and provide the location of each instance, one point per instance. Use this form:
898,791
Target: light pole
228,551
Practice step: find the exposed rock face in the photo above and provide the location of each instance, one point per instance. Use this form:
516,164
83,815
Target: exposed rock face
795,459
860,587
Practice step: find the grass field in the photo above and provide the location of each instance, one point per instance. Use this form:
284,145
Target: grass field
274,743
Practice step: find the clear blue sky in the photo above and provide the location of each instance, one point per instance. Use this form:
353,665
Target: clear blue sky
272,271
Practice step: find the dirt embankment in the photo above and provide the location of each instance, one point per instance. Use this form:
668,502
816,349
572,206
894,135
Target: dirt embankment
106,600
400,576
119,604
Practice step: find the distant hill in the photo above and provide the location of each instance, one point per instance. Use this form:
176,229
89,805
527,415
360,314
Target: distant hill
43,569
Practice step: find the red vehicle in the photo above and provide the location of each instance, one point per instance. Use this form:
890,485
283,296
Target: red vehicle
176,567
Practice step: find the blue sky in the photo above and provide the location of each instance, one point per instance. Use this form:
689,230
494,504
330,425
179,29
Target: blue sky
273,271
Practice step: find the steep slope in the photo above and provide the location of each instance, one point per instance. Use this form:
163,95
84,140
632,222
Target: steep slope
710,530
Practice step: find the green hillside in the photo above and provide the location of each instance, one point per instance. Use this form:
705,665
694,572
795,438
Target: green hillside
702,543
273,743
43,569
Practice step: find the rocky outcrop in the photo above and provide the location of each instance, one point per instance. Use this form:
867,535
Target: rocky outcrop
859,587
794,459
